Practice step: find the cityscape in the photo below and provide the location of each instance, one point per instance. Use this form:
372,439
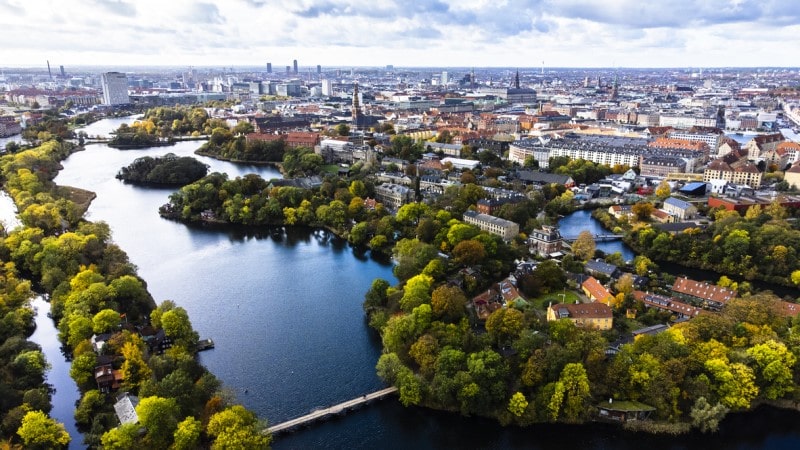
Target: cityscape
345,224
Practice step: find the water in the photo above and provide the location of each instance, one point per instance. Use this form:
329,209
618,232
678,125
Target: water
582,220
66,392
103,128
284,310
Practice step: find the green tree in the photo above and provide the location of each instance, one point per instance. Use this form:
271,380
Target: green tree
505,325
82,368
236,428
41,432
342,130
358,188
584,246
517,404
416,292
774,363
571,393
734,383
187,434
160,417
643,265
90,404
123,437
105,321
177,327
706,417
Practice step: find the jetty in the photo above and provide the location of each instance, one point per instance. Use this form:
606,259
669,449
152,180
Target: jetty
205,344
323,413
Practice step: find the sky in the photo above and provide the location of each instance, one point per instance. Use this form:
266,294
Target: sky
404,33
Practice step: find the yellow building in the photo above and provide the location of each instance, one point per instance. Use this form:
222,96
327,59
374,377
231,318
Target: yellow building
587,315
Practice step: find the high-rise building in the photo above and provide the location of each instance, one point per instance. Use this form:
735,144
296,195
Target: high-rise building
288,70
269,67
327,87
319,69
115,88
444,79
295,67
63,74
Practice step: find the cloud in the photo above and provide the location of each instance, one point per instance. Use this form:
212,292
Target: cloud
117,7
203,13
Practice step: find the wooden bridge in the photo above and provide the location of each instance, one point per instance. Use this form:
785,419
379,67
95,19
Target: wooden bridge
321,414
597,237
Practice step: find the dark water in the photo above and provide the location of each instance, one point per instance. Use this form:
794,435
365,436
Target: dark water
284,310
582,220
66,392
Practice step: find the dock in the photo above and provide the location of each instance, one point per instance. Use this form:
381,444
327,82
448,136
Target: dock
205,344
321,414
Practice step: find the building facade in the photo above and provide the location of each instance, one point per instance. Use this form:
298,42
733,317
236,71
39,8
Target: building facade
506,229
115,88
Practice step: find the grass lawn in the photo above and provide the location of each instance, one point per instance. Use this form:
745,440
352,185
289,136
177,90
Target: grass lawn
555,297
330,168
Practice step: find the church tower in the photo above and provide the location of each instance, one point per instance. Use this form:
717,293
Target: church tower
516,80
615,89
356,110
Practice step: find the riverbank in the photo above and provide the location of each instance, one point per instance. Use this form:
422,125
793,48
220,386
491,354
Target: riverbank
274,164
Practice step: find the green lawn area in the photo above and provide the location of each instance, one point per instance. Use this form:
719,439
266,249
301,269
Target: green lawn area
330,168
555,297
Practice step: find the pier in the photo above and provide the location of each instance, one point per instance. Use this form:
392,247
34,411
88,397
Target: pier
321,414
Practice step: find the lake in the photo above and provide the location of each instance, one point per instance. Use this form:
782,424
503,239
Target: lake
284,309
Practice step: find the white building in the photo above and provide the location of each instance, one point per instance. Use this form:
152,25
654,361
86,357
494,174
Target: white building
461,164
506,229
115,88
327,88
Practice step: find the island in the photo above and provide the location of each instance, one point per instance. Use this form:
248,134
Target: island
167,170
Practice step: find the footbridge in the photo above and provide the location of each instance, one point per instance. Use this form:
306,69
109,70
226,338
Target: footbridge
323,413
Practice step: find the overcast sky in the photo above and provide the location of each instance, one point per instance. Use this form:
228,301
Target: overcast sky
480,33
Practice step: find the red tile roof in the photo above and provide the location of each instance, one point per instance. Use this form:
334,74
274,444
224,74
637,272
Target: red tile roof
702,291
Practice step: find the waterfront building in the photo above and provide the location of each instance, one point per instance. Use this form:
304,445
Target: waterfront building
546,241
115,88
661,166
663,303
506,229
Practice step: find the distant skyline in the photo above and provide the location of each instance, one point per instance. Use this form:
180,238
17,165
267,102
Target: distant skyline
426,33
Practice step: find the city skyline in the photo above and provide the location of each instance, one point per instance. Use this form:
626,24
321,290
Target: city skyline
549,33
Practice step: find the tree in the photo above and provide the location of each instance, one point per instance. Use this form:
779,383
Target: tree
41,432
358,189
796,277
90,403
416,292
135,370
235,428
517,404
123,437
642,210
663,190
643,265
706,417
469,252
734,383
342,130
448,302
105,321
774,363
571,393
624,284
505,325
584,246
177,327
187,435
160,417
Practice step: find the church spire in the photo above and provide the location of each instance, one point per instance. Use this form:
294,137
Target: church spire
516,80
